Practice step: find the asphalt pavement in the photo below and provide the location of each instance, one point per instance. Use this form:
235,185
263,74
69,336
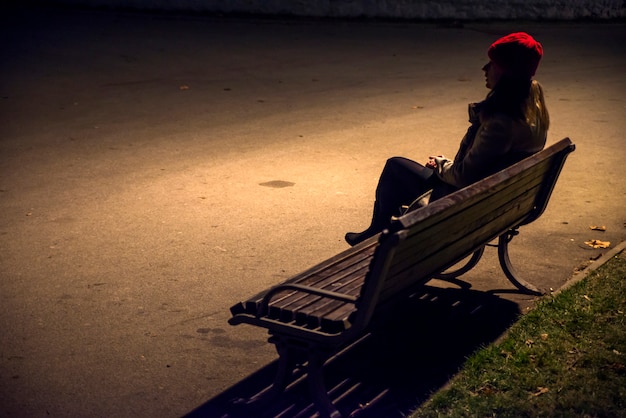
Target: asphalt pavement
156,169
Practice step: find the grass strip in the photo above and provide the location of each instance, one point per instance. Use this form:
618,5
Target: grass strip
567,357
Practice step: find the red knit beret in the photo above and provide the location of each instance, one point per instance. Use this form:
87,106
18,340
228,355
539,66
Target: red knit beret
518,54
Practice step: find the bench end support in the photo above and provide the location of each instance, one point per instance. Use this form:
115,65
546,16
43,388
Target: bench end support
509,270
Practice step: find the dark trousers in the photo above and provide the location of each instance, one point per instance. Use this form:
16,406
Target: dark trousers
401,182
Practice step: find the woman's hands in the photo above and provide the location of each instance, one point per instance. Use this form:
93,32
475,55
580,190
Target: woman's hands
432,161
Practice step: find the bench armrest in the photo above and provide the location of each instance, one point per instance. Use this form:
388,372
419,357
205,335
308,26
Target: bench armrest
264,305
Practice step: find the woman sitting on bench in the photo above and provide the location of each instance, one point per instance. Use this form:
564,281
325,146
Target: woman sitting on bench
509,125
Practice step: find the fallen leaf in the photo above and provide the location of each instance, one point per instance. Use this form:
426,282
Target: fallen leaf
540,391
544,337
183,87
529,342
486,390
597,228
596,243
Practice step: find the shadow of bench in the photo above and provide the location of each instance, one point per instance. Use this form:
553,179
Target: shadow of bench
392,369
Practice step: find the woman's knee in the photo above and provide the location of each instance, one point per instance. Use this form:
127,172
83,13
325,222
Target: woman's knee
399,162
402,168
396,166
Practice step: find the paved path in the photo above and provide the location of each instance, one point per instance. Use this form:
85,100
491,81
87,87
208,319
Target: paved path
140,165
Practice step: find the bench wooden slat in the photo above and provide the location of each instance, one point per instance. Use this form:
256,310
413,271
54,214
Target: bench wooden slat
455,229
323,280
462,198
467,207
314,314
309,277
423,255
409,271
286,306
345,286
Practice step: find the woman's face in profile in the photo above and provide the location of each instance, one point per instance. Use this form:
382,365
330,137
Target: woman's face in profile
492,74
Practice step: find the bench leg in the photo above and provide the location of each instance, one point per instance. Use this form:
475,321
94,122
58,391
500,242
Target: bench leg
317,388
289,359
452,275
507,267
287,362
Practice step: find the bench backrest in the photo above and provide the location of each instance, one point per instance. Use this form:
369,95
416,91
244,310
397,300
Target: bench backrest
428,240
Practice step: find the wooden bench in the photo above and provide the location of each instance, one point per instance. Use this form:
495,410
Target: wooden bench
313,315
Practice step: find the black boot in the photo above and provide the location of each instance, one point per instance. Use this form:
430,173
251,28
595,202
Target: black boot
377,225
353,238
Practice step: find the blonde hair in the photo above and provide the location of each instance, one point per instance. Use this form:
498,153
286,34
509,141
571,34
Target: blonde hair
536,112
